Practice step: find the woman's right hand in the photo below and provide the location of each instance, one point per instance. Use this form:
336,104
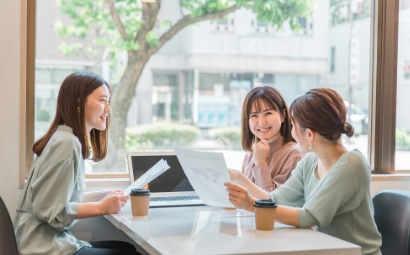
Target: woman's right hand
260,151
239,197
112,203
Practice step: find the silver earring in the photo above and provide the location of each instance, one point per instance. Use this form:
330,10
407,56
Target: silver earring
310,146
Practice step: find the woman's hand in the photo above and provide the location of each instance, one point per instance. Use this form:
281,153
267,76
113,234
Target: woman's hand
260,151
235,175
106,192
112,203
239,197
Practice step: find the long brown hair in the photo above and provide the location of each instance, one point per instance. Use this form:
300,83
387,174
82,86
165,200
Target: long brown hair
322,110
273,99
70,111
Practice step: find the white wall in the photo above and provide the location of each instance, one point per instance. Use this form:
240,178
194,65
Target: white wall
9,102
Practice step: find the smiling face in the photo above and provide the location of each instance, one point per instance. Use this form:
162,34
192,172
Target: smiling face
265,122
97,108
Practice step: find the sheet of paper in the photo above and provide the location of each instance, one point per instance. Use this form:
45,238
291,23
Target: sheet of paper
159,168
207,173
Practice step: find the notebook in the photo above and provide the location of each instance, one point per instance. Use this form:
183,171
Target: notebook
171,188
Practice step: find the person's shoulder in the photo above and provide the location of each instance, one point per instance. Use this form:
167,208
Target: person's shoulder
355,157
64,139
308,162
355,162
310,158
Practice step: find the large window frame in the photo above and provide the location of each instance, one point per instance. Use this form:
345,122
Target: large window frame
382,91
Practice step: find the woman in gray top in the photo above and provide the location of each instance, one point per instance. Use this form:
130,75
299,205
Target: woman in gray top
53,197
330,186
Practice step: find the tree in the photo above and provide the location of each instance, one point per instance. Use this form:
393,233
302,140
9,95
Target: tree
131,23
339,11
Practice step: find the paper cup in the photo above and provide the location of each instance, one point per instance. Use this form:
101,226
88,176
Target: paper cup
265,213
140,202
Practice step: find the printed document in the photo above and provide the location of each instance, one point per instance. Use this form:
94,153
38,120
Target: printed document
155,171
207,173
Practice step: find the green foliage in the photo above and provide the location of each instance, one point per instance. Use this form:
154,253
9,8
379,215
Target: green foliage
200,7
275,12
160,134
228,135
92,18
152,39
402,138
278,12
339,11
42,115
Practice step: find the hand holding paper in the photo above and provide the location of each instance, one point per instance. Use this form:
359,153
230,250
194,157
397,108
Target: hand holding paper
159,168
207,173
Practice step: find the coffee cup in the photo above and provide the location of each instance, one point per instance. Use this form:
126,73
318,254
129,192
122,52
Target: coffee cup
140,202
265,212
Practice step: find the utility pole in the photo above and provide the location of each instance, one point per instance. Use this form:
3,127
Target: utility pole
355,7
349,70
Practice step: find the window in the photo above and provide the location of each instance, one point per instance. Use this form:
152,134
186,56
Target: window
198,78
403,92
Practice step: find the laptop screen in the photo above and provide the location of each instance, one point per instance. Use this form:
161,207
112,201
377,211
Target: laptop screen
172,180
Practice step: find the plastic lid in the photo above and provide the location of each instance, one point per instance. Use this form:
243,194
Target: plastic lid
265,203
140,192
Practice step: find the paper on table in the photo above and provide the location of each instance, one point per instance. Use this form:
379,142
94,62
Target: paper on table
155,171
207,173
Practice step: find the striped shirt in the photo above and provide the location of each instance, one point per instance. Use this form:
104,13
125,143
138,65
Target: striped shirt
340,203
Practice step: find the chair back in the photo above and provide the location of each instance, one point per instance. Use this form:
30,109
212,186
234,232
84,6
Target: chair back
392,217
8,244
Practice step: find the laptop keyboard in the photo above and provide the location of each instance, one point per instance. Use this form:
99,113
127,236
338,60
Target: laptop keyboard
175,198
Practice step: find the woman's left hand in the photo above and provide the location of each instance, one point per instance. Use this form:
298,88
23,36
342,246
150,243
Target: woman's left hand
239,196
107,192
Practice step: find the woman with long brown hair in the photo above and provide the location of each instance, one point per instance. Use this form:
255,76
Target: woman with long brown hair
266,135
53,197
330,187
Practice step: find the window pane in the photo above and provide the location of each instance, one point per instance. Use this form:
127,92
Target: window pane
190,91
403,91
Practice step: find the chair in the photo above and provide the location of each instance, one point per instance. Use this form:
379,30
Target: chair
392,216
8,244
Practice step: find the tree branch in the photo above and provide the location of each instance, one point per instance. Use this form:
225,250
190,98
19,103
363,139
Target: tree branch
149,16
188,20
117,20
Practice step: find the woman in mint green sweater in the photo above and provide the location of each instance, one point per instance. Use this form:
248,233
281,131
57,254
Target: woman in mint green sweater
330,186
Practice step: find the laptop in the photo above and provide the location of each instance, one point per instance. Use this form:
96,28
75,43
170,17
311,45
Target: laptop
172,188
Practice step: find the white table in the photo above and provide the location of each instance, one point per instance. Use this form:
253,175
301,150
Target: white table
210,230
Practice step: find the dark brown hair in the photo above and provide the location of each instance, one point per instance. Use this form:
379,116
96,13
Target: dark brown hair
70,111
273,99
323,111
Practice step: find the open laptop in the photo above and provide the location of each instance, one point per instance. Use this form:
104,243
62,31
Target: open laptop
171,188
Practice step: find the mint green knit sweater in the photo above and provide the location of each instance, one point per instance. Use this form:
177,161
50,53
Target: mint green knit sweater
340,204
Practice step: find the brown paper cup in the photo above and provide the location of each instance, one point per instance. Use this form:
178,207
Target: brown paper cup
265,214
265,218
140,205
140,202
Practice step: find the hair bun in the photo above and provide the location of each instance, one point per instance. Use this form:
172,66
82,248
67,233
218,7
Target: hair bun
348,129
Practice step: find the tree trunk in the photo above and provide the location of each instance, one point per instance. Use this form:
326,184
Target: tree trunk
121,100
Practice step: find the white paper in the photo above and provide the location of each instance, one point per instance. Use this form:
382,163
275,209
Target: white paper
207,173
155,171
